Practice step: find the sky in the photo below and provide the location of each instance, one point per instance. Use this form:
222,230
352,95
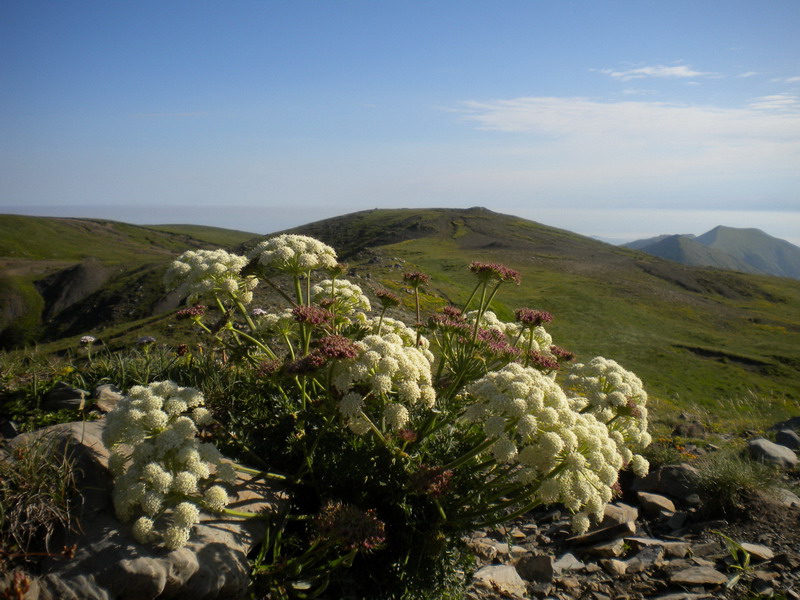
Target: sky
618,119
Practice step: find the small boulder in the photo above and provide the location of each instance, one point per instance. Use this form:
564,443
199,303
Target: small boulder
769,452
655,504
698,576
788,438
501,578
63,395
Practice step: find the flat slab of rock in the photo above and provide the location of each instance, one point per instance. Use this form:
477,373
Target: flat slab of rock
108,563
655,504
501,578
698,576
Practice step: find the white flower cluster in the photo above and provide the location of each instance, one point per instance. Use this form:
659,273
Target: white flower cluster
568,456
397,327
396,375
616,397
295,254
515,333
198,272
347,296
159,464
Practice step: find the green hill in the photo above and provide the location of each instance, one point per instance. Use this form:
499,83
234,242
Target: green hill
63,276
748,250
699,337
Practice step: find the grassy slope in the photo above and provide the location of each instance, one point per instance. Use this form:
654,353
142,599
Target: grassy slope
697,336
212,235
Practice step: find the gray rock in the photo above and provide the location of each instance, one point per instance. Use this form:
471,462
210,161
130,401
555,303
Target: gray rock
63,395
617,514
600,535
788,438
567,562
758,551
108,563
536,568
655,504
698,576
106,397
611,549
679,481
501,578
787,498
614,567
769,452
793,424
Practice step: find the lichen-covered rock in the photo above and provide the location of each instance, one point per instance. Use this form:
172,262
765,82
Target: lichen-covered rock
109,564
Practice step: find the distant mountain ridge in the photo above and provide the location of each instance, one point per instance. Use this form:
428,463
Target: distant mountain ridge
748,250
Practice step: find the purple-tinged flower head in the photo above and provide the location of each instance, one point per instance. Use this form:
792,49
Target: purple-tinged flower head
532,317
182,349
495,342
407,435
259,312
146,340
387,298
307,364
88,340
433,481
268,367
191,312
453,312
349,527
633,409
337,346
543,362
313,315
562,354
416,279
495,272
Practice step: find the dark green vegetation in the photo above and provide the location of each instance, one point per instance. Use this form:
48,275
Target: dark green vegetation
720,342
746,250
64,277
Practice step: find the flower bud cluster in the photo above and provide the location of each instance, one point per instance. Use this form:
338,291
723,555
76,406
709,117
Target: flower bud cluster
567,456
519,333
198,272
294,254
396,376
616,397
399,328
347,297
162,471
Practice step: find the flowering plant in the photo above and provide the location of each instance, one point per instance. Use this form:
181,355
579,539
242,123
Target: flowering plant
425,431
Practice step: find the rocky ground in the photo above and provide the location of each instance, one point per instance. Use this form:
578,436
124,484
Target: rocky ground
659,540
654,547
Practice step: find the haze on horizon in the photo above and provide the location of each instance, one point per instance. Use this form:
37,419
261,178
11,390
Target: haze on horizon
617,119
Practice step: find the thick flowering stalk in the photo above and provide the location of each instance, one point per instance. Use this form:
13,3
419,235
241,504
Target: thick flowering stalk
616,397
163,473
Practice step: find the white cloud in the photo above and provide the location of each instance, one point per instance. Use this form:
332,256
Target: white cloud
747,74
680,71
777,102
787,80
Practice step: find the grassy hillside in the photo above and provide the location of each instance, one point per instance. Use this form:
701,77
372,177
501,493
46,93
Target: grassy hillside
212,235
62,276
697,336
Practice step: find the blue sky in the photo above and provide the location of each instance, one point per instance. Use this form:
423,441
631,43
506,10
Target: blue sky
621,119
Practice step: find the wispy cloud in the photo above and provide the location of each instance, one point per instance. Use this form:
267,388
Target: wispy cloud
634,149
662,71
787,80
748,74
778,102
